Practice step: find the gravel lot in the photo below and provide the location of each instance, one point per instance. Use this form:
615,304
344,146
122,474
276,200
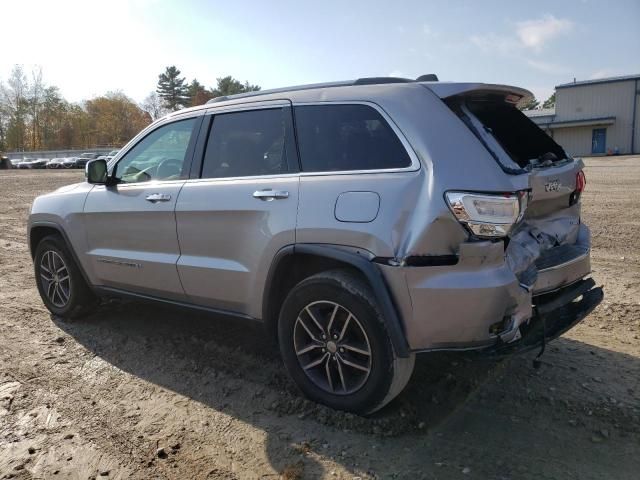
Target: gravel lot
141,391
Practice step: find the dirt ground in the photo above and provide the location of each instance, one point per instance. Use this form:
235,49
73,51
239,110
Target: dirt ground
140,391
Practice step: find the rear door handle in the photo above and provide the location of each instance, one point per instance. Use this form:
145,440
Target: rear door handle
268,195
158,197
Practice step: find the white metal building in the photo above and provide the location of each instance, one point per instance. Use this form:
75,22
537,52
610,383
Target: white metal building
595,117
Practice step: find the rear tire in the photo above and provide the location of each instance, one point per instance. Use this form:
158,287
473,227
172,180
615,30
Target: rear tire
60,283
335,345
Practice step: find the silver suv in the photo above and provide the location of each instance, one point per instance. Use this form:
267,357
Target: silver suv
361,221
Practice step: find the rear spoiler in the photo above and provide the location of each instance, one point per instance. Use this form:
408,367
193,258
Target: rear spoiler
447,90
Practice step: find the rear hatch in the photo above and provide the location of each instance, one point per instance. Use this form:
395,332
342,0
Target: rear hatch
549,247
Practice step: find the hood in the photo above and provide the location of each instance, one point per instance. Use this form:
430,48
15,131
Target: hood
68,188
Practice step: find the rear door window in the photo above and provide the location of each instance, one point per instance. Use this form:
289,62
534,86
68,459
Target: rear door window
346,137
249,143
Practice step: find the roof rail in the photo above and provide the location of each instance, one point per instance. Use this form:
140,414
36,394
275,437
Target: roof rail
381,80
345,83
295,88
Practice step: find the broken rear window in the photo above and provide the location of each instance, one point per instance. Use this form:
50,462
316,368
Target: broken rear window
521,138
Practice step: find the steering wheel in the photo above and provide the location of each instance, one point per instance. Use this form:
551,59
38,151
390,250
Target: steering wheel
168,168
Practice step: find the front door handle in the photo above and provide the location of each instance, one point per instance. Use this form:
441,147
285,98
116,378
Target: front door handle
268,195
158,197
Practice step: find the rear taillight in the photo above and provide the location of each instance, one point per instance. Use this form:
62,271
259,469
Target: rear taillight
581,181
488,215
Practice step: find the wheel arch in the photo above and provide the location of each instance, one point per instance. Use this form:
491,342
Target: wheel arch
296,262
40,230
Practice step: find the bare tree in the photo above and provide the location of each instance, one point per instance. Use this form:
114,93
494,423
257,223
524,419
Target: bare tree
154,106
4,119
14,98
34,101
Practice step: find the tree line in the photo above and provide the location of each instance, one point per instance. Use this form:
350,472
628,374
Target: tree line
35,115
173,92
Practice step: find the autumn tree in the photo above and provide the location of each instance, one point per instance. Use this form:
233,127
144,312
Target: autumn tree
34,115
198,94
230,86
172,89
80,129
114,119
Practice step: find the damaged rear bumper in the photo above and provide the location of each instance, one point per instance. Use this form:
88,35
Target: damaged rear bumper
479,302
560,266
554,314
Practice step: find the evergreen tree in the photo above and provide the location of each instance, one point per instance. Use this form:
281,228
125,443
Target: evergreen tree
530,104
198,95
550,102
172,89
230,86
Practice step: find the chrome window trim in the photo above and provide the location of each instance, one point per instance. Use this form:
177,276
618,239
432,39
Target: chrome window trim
248,177
149,184
241,107
415,162
267,104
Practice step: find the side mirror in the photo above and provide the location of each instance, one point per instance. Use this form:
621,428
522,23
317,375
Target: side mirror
96,171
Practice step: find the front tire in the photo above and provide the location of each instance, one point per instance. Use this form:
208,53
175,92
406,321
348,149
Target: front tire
335,345
60,283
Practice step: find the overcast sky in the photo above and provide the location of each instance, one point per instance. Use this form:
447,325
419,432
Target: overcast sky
88,47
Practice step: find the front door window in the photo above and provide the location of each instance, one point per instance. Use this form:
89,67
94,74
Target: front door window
159,156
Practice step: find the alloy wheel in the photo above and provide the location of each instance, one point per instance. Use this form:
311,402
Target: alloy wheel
56,282
332,347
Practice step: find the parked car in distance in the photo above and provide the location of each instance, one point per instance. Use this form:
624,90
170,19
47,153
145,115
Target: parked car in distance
70,162
33,163
82,160
112,154
39,163
391,217
24,162
108,156
56,163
